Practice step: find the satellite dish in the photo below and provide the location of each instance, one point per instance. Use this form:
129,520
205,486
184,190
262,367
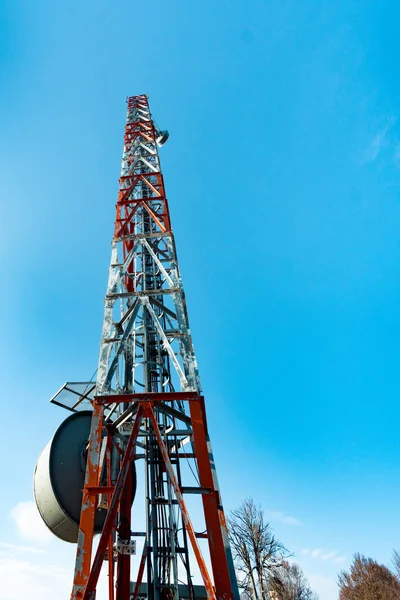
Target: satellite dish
60,477
162,137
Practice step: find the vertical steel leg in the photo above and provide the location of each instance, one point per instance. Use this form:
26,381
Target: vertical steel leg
109,523
110,540
220,554
89,502
124,532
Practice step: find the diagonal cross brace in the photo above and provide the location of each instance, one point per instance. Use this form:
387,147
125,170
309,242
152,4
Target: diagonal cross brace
109,522
167,345
122,343
185,515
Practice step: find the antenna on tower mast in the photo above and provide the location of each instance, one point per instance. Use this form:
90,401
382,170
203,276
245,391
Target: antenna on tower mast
133,432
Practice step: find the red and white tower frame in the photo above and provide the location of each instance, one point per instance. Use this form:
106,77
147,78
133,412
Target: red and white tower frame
148,406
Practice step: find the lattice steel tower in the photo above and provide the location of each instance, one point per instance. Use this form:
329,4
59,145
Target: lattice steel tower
146,405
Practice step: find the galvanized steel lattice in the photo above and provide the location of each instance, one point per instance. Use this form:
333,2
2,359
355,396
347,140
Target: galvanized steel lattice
148,404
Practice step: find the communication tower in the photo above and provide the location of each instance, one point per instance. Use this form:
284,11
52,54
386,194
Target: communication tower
146,406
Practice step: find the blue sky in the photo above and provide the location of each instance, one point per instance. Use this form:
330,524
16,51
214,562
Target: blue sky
282,173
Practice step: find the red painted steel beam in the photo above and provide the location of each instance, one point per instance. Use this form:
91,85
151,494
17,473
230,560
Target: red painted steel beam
123,585
109,523
214,515
110,539
89,504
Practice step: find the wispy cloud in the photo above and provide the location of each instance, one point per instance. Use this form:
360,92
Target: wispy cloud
16,548
382,139
331,555
29,523
277,515
31,571
21,578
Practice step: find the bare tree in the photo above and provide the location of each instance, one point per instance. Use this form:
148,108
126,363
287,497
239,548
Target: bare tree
256,551
396,564
289,583
368,580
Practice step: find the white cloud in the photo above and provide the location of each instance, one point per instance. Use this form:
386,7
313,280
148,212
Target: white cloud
340,559
34,578
29,523
16,548
379,141
384,138
23,579
376,144
30,571
329,555
277,515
